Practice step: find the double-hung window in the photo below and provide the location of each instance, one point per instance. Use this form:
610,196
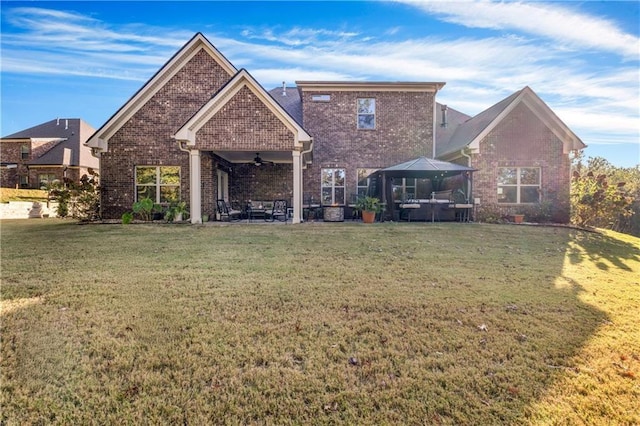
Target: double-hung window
518,185
366,113
160,183
333,190
24,152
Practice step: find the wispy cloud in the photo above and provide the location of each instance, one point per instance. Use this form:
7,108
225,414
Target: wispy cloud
564,25
479,71
61,42
296,36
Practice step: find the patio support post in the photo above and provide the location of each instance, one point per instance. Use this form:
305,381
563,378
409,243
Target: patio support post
297,187
195,191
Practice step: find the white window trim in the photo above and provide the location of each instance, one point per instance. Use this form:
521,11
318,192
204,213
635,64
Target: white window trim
333,186
518,185
158,185
358,114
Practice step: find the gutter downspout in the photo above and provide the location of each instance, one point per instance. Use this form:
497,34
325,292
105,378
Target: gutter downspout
303,166
468,157
97,153
435,118
181,148
302,153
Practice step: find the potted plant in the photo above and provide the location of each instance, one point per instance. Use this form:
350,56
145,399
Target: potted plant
175,212
369,206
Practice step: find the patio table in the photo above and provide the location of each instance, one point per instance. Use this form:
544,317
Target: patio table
255,213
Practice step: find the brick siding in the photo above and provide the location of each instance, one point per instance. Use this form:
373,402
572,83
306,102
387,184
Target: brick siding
522,140
146,138
245,124
11,152
404,130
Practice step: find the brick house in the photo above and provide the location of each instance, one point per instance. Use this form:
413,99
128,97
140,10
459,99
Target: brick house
520,150
50,151
201,130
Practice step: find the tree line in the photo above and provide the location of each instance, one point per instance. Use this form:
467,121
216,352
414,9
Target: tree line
605,196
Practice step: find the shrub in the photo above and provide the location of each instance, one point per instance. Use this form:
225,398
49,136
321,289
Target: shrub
78,200
127,217
143,208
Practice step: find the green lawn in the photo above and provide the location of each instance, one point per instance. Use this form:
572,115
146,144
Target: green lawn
9,194
318,323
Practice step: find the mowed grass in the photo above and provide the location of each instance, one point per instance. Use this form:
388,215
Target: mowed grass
318,323
10,194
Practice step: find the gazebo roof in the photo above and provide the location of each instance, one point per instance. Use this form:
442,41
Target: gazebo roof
425,167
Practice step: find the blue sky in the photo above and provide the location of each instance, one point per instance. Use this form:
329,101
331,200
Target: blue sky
86,59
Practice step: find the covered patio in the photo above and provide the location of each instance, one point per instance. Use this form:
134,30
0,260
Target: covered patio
260,157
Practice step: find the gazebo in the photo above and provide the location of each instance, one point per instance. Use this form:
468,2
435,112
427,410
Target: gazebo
431,178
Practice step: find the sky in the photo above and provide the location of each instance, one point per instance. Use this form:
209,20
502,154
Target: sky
87,59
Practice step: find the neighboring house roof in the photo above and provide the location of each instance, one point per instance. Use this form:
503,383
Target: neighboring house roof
472,131
53,137
160,78
289,99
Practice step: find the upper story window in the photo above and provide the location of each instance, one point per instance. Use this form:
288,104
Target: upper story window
518,185
333,189
160,183
24,152
366,113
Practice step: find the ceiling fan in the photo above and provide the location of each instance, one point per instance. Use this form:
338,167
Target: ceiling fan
258,161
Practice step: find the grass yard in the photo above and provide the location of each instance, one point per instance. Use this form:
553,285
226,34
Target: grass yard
9,194
318,323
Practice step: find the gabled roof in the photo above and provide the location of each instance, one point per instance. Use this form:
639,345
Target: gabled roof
60,133
471,132
168,70
454,119
291,102
58,128
242,79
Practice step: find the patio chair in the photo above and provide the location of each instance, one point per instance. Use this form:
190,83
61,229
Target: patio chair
227,212
278,211
462,206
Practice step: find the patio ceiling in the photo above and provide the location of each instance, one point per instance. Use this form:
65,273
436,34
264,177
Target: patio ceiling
248,156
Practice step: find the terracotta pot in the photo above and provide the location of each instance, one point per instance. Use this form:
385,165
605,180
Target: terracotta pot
518,218
368,217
